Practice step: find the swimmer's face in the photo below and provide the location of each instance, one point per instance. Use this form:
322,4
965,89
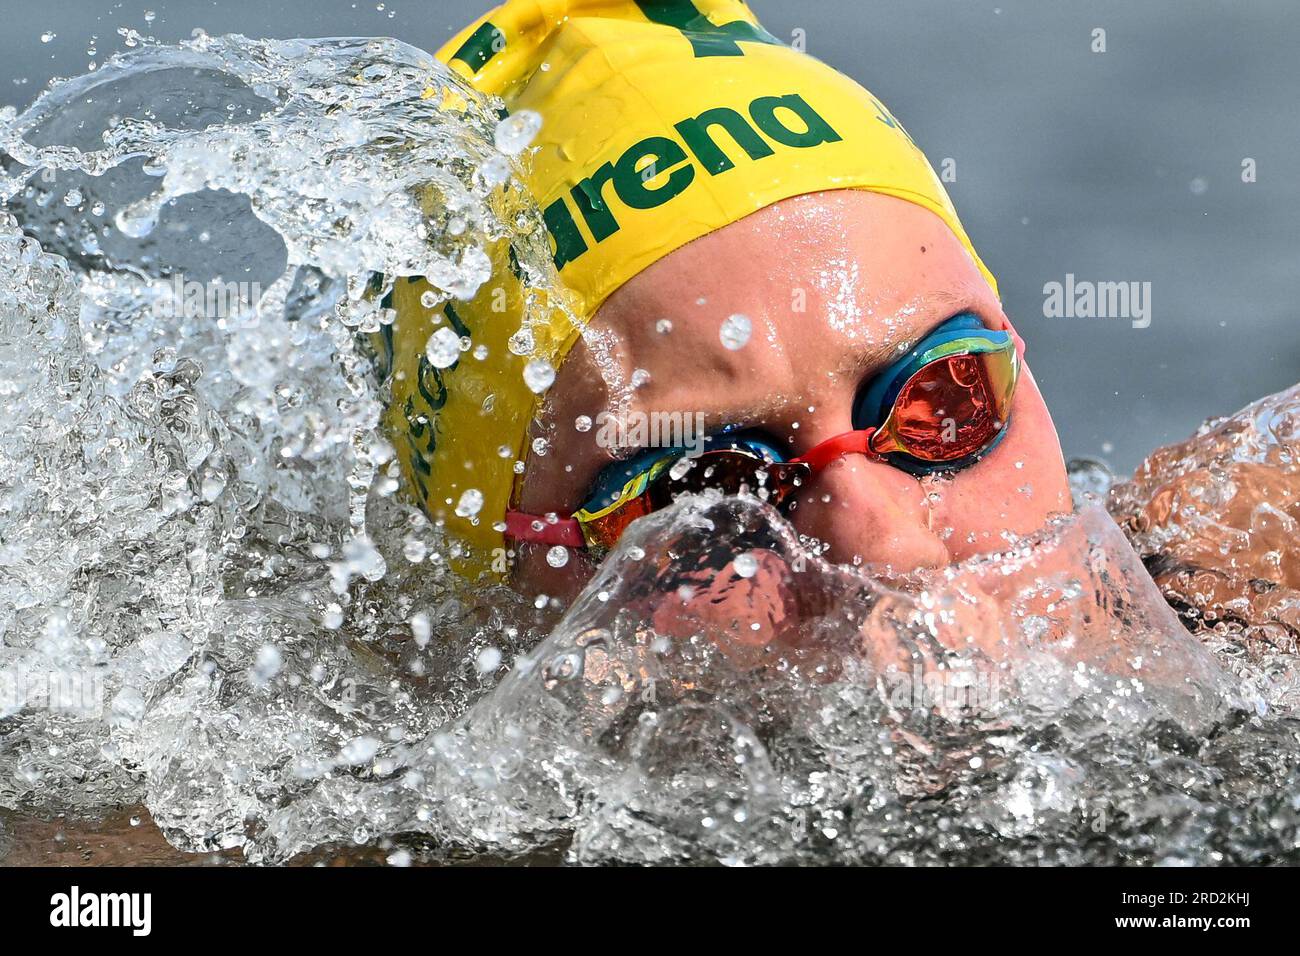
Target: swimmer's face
837,285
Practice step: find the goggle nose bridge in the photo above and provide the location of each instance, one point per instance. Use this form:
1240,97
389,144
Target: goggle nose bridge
823,454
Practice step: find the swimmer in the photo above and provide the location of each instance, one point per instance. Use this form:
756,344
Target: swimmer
753,242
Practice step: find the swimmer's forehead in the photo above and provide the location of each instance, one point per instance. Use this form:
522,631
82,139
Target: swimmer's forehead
840,284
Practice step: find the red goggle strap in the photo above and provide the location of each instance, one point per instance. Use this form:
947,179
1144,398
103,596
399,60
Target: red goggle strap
565,531
833,449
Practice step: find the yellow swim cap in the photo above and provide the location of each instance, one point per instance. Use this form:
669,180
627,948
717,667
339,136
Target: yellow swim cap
662,120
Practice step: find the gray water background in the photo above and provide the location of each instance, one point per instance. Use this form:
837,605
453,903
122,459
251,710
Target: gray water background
1116,166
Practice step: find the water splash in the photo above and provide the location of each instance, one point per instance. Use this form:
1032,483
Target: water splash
1217,519
215,602
684,709
187,489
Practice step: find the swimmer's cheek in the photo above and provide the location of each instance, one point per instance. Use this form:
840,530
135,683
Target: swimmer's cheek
535,576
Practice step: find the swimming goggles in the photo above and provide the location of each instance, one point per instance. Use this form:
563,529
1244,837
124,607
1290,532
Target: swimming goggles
940,408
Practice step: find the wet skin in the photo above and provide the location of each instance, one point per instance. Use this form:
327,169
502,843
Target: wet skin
837,285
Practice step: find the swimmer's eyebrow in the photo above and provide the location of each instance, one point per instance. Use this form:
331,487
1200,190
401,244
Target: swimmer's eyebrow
860,363
874,359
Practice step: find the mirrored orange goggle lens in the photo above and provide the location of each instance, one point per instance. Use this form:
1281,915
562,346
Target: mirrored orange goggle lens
731,472
952,408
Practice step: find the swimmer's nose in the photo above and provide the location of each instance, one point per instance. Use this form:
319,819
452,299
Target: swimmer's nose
867,511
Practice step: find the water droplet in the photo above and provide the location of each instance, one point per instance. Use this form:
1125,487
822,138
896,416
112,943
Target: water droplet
266,665
443,348
746,565
516,131
522,342
421,629
137,222
494,171
736,331
359,751
470,503
212,487
488,660
539,375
